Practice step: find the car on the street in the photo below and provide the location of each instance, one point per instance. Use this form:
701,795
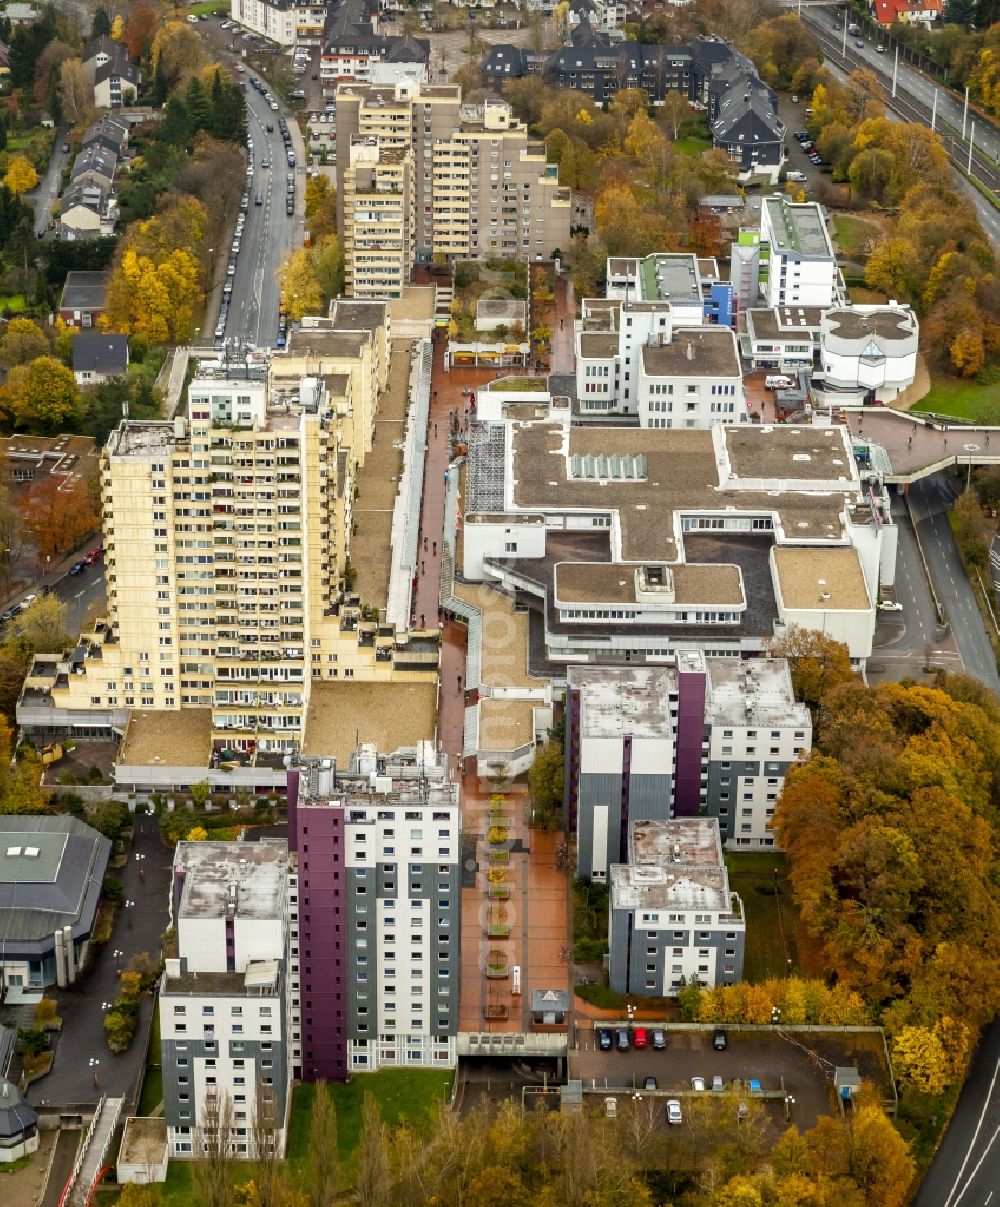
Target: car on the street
274,105
753,1085
801,136
611,1108
231,270
698,1084
650,1083
604,1041
880,50
890,605
674,1111
718,1085
77,568
26,603
270,127
796,176
95,554
640,1037
719,1040
621,1039
659,1040
8,615
258,200
227,289
859,45
65,148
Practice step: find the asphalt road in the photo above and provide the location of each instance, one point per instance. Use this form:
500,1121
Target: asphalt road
43,196
902,639
269,234
966,1170
930,499
81,1005
78,593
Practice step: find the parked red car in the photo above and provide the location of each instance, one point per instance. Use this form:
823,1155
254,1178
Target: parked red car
94,555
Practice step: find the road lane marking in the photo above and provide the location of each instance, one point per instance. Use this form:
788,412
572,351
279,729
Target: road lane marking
975,1137
986,1153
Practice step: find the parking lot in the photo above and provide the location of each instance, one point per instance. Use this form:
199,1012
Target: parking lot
800,1062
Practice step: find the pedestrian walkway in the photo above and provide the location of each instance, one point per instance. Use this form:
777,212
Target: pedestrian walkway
171,379
98,1142
451,407
562,358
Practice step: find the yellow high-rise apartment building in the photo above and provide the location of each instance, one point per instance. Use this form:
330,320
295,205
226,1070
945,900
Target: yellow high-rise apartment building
480,187
227,544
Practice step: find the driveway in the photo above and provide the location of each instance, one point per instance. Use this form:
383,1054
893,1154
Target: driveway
43,196
81,1005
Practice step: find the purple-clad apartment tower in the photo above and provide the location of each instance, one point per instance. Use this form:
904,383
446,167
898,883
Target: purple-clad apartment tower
316,837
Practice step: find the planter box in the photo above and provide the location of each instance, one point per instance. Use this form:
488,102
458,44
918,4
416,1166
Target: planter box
498,930
499,855
497,972
499,892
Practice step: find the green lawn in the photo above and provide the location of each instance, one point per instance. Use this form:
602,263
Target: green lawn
408,1096
852,235
213,9
152,1092
12,301
751,874
978,400
692,146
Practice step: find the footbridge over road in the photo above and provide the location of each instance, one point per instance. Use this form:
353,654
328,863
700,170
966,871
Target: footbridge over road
904,448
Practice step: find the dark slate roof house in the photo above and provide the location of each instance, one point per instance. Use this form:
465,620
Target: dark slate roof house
97,356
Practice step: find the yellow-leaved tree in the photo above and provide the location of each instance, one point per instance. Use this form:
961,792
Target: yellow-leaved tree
20,176
154,299
931,1058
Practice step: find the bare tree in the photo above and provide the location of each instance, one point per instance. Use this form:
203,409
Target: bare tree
324,1165
213,1150
373,1159
264,1125
11,542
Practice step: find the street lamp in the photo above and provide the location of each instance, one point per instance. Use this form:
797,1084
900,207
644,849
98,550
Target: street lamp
106,1005
118,953
95,1064
128,906
142,870
971,449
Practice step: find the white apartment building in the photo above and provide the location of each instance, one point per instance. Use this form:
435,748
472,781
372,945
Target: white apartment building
404,860
651,349
711,736
673,918
695,380
797,261
224,1000
755,730
281,21
377,941
481,186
